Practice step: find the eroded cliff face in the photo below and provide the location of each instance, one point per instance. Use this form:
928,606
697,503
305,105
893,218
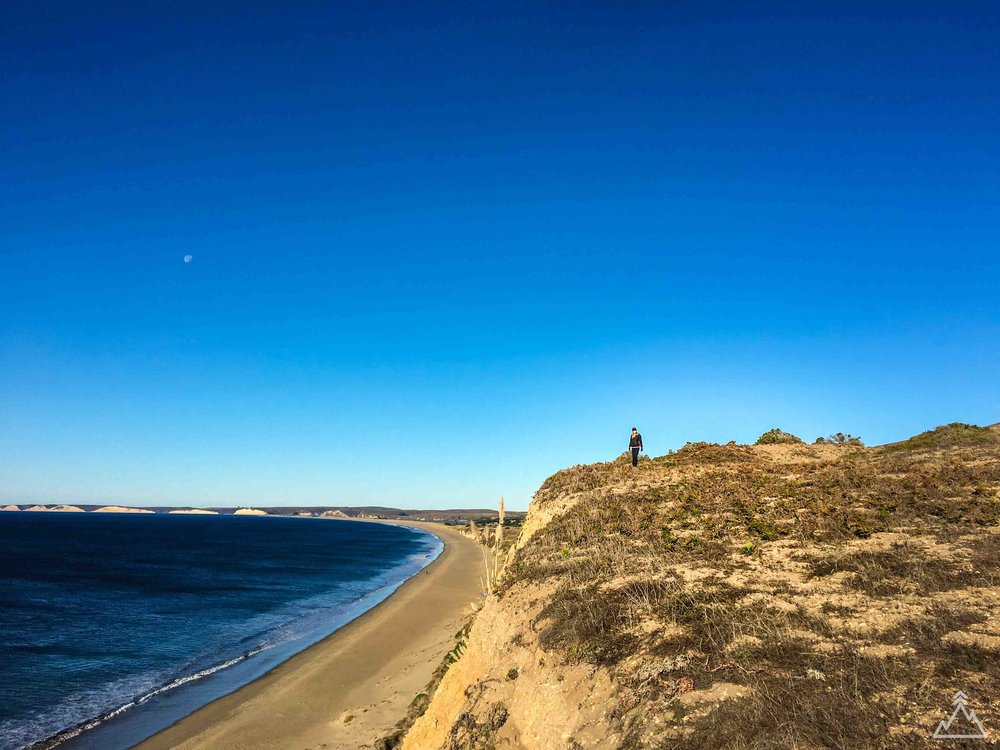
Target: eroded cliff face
703,598
506,692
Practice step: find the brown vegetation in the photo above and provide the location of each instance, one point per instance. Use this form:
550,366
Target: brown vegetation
776,596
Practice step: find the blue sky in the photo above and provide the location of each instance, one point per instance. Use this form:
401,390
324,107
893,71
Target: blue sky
440,251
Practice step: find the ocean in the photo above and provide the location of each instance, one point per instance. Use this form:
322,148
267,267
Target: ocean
114,626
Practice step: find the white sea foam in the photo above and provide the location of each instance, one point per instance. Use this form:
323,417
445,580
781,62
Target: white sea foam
276,630
69,734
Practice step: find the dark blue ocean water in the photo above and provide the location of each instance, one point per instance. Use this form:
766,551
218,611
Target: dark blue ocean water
148,617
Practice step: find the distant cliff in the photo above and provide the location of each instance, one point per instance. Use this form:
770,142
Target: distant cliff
731,596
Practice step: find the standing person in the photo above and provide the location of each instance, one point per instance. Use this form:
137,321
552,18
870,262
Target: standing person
635,445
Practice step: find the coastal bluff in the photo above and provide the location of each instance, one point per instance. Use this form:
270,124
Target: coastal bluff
735,596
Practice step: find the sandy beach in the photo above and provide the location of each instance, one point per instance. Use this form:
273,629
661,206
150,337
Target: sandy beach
354,685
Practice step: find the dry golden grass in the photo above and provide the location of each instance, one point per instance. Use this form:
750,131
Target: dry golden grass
840,595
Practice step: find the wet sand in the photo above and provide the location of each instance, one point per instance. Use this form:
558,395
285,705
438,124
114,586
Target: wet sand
354,685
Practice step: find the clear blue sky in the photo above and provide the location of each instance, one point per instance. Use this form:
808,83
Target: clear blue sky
443,250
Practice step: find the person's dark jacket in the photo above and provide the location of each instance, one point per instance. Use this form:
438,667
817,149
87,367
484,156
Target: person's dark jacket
635,441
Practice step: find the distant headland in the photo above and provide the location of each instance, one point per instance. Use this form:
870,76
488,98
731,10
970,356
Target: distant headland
370,512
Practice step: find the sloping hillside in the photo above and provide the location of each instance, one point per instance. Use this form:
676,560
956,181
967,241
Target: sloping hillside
731,596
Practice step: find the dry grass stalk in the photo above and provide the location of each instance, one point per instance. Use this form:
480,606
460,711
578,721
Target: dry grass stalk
483,540
491,562
499,533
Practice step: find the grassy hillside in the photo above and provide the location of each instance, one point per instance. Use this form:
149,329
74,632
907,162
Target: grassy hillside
781,595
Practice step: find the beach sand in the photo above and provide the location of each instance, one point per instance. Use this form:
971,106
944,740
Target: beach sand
369,670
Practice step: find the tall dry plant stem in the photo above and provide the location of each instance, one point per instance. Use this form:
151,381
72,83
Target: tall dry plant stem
491,562
481,540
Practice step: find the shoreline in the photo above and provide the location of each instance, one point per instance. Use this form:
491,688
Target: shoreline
131,721
353,685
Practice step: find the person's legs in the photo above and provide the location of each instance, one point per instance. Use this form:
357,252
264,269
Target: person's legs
635,456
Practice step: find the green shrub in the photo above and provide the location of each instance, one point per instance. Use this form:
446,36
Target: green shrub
763,530
839,438
951,435
775,436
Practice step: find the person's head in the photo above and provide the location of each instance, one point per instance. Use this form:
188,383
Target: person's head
634,430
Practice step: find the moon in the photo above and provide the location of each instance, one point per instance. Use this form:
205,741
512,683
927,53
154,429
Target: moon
187,258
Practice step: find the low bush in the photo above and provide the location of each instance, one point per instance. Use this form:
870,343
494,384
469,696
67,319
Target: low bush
776,436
